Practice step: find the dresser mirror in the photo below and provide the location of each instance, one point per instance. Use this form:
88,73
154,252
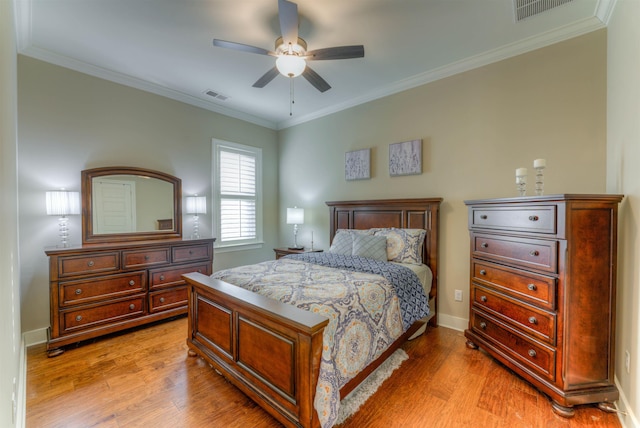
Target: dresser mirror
130,204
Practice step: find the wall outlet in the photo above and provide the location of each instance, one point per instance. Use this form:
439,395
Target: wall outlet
627,361
458,296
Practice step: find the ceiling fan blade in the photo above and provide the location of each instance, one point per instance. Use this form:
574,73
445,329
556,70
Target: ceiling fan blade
241,47
288,14
338,52
314,78
266,78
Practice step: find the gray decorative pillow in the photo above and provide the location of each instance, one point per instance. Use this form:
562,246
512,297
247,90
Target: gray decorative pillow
342,243
403,245
373,247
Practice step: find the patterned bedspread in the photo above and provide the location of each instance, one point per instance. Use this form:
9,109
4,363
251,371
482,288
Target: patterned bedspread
363,307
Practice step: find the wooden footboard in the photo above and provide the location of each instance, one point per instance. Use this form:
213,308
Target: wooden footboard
269,350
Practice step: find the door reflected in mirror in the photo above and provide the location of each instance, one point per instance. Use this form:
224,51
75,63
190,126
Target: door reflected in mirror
127,203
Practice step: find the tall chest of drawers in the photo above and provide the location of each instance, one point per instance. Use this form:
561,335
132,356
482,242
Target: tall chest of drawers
98,290
543,289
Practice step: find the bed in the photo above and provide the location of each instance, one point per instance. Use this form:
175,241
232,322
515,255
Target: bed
272,351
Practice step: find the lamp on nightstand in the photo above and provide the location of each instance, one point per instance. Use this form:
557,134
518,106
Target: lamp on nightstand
295,216
196,205
63,203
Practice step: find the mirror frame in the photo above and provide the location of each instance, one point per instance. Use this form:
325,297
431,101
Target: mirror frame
88,237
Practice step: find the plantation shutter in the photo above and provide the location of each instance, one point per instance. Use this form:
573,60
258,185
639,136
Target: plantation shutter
237,180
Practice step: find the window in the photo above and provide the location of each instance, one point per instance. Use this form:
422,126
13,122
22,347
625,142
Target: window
237,174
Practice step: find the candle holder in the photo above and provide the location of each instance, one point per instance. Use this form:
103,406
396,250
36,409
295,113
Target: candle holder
540,181
521,185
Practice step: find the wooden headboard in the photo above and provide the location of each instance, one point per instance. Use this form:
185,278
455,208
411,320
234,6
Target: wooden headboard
400,213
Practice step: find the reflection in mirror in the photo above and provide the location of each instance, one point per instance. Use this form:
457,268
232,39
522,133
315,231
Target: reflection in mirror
127,204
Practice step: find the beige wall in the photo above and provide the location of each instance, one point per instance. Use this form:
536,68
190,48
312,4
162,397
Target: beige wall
477,128
70,121
623,176
10,337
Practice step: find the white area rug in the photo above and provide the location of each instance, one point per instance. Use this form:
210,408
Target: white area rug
356,398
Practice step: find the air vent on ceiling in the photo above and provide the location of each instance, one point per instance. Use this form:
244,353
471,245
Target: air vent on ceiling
526,8
216,95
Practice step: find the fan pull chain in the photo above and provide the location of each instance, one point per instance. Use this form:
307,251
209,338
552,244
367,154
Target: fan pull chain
291,97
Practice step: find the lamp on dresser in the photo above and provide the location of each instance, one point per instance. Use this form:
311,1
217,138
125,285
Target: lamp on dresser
295,216
196,205
63,203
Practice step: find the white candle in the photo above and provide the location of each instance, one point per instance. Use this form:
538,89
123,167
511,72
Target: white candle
521,172
539,163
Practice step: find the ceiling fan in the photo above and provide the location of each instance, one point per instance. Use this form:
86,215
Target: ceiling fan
291,51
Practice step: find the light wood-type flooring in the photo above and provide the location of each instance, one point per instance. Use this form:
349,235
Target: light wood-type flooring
144,378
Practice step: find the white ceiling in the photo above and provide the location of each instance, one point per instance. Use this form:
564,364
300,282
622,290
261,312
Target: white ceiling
165,46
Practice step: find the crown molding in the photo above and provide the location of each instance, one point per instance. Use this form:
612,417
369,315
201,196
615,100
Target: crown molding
527,45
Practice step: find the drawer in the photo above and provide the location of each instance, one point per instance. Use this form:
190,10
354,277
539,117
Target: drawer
143,258
532,219
170,277
531,320
168,299
86,265
531,287
94,316
530,253
190,253
534,355
100,288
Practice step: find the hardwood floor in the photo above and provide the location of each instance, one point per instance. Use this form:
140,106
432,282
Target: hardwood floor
144,378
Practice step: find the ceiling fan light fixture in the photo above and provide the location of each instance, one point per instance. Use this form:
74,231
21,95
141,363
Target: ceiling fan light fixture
290,65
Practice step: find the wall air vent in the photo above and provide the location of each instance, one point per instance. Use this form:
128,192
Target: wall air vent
216,95
527,8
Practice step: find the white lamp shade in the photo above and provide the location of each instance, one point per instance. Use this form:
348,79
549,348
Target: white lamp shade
62,202
295,215
196,205
290,65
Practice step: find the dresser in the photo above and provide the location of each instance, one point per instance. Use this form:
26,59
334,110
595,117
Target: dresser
100,289
543,292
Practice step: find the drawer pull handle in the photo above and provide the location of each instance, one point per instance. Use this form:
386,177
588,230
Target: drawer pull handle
484,245
146,257
162,300
132,306
161,277
483,272
79,318
190,252
132,282
483,298
532,353
532,287
483,325
533,218
533,320
90,263
534,253
483,217
79,291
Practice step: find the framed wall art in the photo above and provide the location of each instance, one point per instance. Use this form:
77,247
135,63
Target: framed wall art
357,165
405,158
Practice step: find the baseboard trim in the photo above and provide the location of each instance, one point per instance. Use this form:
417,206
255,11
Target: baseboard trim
34,337
454,323
627,418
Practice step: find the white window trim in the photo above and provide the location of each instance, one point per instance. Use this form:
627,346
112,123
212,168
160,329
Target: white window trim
258,242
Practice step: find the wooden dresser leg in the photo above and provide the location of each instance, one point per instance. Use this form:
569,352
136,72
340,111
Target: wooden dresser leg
607,406
471,345
191,353
54,352
564,411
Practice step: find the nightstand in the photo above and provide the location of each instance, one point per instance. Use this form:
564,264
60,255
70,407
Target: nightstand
281,252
